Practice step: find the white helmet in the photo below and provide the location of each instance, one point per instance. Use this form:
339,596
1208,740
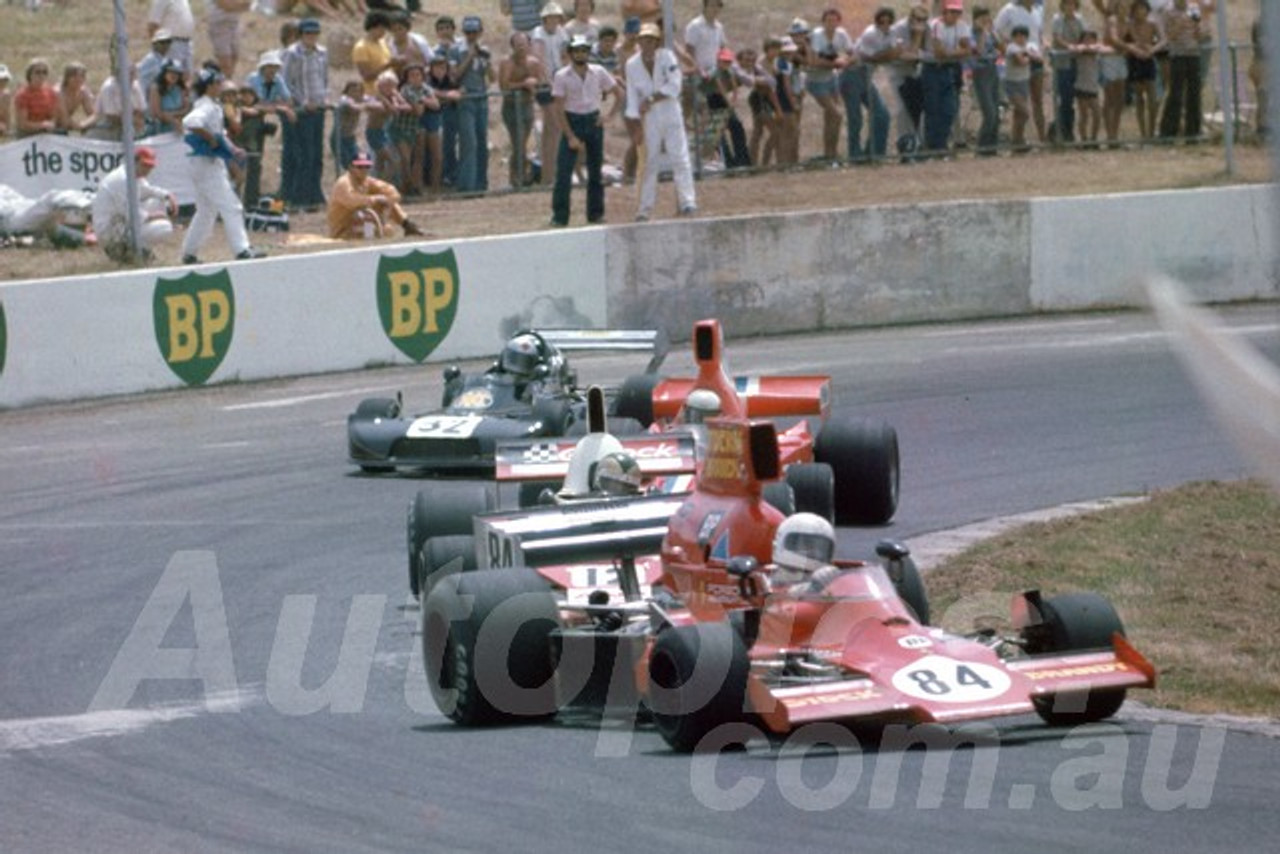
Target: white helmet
618,474
804,542
701,404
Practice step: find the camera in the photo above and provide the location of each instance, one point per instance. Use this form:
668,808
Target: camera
829,55
482,51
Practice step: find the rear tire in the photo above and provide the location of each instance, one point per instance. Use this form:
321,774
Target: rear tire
779,495
813,487
442,509
635,398
1077,622
486,644
698,681
443,556
863,454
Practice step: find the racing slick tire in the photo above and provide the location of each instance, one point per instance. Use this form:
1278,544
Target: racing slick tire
486,645
372,408
443,556
442,509
697,682
635,398
779,495
1076,622
556,416
813,488
863,454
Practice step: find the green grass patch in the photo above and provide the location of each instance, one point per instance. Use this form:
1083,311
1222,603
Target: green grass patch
1194,573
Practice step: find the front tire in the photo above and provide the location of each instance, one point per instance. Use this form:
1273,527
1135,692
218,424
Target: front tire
697,682
486,644
1076,622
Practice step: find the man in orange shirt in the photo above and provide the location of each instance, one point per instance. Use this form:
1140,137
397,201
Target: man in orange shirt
362,207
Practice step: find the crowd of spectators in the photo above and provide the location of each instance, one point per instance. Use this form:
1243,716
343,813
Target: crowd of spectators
419,106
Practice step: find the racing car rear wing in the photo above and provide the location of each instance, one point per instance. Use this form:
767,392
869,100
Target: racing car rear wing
577,340
763,397
574,533
659,455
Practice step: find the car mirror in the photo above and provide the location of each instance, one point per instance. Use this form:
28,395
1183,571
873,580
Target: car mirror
742,566
451,373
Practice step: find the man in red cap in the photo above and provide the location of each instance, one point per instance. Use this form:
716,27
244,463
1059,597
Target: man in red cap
361,206
111,209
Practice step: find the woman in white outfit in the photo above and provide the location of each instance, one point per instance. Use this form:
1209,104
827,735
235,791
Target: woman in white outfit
653,97
205,133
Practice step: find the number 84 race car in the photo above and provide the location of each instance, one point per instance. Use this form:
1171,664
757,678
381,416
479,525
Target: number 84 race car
718,639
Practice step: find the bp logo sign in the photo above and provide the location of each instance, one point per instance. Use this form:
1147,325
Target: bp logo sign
417,300
4,338
195,318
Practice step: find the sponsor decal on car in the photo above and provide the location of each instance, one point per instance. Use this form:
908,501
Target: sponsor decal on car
940,679
444,427
194,321
1078,670
474,398
418,300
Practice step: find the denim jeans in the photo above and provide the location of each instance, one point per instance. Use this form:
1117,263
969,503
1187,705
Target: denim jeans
857,92
1064,81
473,144
586,127
986,91
941,103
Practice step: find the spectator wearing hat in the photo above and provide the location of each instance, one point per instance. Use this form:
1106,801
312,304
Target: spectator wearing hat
474,74
77,97
523,13
269,85
36,106
654,83
222,22
548,42
148,68
950,42
111,209
205,127
167,100
363,206
579,90
175,18
6,101
306,73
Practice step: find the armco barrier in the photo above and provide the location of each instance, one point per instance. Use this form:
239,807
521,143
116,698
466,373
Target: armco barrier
352,308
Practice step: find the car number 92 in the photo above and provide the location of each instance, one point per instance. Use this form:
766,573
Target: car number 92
443,427
948,680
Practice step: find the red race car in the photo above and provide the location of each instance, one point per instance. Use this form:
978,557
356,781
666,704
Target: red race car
720,636
855,480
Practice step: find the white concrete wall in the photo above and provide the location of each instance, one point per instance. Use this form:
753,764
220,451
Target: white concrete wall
83,338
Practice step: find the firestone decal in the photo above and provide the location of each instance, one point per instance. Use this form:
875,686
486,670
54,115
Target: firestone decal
418,300
194,321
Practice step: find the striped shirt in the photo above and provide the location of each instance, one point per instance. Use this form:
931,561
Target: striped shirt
306,73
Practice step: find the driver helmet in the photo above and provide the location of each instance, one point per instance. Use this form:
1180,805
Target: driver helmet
618,474
522,355
701,404
802,544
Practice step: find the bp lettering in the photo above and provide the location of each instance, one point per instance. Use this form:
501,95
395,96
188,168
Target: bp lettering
194,324
418,298
194,321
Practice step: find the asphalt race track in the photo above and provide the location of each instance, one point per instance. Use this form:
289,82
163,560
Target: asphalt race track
220,533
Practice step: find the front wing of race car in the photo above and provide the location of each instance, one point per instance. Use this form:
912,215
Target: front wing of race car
952,685
459,444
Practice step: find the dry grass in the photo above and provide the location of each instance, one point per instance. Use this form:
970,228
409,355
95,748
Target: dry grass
1194,573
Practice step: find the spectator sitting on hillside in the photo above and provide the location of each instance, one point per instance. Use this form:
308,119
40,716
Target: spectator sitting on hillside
361,206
